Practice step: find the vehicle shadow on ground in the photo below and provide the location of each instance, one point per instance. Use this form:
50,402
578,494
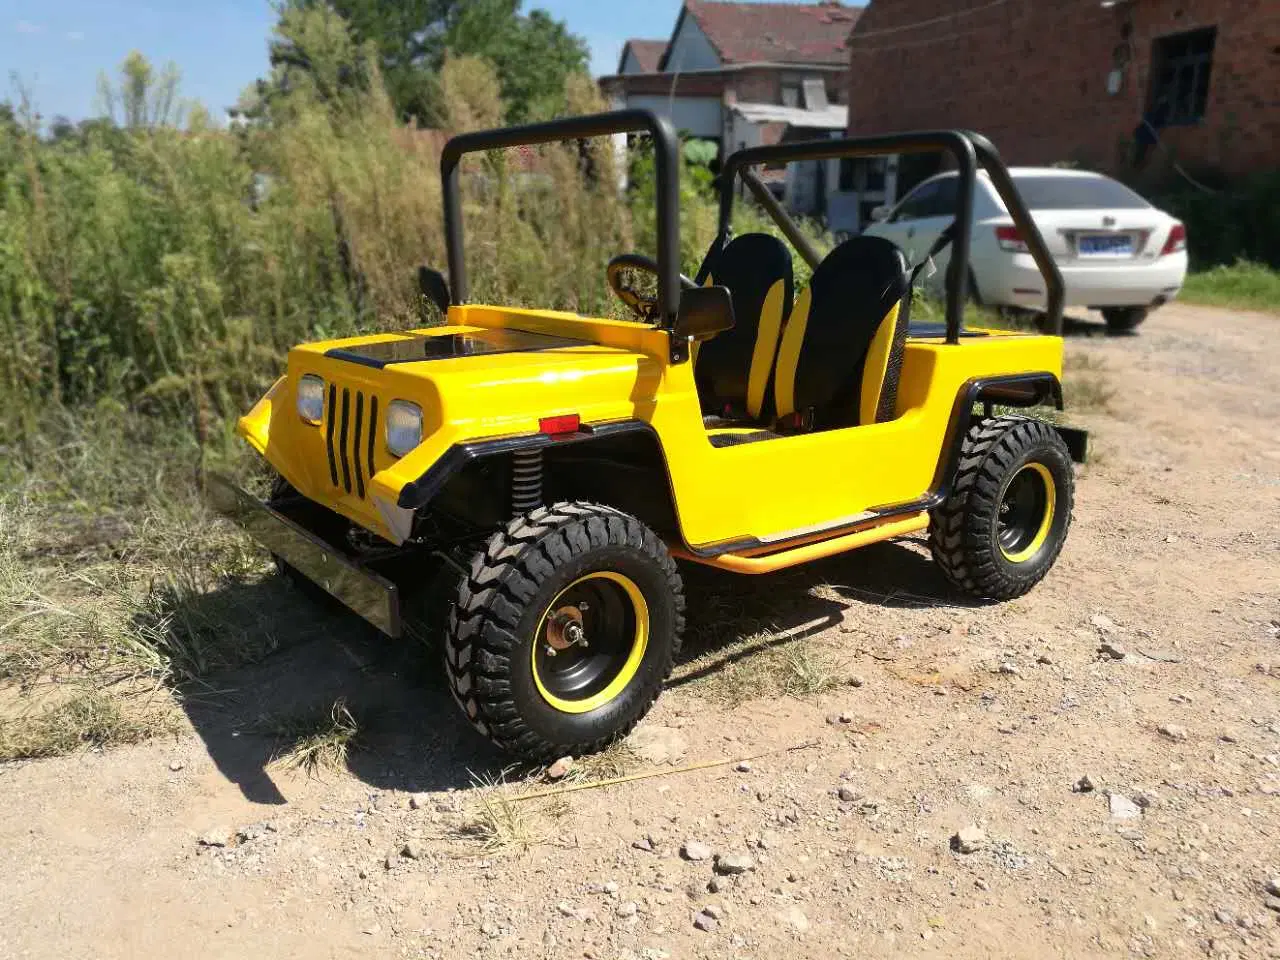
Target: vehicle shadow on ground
412,736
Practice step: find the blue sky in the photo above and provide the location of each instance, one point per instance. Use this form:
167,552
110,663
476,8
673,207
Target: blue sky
57,47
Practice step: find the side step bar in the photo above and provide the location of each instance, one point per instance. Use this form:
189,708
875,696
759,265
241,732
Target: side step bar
842,543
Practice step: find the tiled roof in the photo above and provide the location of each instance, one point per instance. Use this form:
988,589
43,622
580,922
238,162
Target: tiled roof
647,53
775,32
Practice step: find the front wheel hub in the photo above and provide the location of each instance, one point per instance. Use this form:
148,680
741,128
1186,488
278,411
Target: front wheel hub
591,642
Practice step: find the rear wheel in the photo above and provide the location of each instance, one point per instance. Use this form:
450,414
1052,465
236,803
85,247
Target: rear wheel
564,630
1123,319
1005,521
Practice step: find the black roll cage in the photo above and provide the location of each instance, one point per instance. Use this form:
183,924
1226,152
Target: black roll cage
967,149
666,157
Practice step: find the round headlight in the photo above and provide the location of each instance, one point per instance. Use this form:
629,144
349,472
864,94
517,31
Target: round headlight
311,398
404,426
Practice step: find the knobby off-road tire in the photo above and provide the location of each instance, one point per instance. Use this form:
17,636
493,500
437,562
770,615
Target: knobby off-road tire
1005,520
524,591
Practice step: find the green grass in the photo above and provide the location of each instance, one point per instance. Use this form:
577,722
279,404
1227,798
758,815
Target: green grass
1243,286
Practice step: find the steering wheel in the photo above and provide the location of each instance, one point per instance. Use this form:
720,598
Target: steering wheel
642,305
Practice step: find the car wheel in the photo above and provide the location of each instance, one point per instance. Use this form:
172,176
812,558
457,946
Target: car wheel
1002,526
564,630
1123,319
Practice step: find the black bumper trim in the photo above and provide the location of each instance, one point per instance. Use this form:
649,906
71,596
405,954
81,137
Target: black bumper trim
373,597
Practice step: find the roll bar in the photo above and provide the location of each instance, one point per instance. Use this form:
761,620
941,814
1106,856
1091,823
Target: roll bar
666,157
967,149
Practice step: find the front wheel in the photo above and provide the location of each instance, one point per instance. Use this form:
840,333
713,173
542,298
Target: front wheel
1123,319
1005,520
564,631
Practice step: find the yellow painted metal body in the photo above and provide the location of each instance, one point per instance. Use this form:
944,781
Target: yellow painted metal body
773,490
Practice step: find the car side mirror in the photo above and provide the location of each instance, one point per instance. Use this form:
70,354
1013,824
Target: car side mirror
433,286
704,312
880,213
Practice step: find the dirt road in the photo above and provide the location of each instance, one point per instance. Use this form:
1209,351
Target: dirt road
915,717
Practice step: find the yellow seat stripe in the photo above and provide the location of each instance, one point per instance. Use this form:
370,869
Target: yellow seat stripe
766,347
876,367
789,354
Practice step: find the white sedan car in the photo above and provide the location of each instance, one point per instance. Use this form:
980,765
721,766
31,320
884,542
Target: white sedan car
1118,254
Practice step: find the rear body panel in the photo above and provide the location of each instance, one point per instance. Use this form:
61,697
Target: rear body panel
609,372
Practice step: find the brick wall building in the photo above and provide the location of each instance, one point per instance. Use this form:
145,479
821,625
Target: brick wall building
1055,80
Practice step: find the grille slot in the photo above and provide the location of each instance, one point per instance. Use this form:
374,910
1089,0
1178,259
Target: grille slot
351,434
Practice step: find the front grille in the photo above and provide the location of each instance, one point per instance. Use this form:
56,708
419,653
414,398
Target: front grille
351,432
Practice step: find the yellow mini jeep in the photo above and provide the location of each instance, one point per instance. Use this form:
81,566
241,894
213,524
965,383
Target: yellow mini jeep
556,465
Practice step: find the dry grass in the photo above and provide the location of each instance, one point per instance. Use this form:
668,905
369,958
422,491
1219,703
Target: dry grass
763,666
498,822
319,743
1086,383
88,719
615,760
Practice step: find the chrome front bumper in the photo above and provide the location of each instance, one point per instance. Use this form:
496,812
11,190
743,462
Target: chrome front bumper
370,595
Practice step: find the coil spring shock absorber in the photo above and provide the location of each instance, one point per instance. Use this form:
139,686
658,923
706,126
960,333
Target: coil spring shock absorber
526,481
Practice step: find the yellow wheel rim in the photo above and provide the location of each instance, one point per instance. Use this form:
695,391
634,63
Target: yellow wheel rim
1028,505
615,628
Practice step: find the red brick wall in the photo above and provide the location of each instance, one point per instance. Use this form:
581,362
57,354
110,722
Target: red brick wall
1032,75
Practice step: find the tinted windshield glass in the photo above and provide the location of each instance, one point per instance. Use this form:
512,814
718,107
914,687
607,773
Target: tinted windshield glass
1076,193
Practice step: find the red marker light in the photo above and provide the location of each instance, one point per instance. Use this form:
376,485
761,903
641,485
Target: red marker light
566,423
1177,241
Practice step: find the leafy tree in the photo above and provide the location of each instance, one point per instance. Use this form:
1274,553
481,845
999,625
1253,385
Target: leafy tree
143,97
410,39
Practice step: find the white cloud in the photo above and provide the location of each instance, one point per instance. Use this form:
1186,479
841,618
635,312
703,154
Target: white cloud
75,36
26,26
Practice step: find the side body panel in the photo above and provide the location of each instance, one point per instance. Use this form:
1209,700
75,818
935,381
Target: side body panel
768,490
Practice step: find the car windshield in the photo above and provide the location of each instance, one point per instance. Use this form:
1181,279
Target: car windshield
1076,193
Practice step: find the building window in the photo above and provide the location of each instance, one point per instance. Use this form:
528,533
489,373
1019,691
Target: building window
1180,68
791,94
846,175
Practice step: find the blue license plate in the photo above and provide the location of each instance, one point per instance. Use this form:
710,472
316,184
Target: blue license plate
1106,244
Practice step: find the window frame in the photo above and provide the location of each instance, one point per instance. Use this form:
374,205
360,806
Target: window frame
1175,59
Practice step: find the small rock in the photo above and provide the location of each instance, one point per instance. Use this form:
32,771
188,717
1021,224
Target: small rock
655,744
414,849
847,794
567,909
856,681
1122,808
644,843
743,767
981,884
693,850
176,765
1172,730
1112,649
610,887
1224,916
1010,669
254,831
372,930
969,840
717,885
704,921
1272,903
714,911
1045,660
1272,886
217,837
1102,622
1085,784
560,769
794,918
419,801
491,930
627,909
1146,799
730,864
769,840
